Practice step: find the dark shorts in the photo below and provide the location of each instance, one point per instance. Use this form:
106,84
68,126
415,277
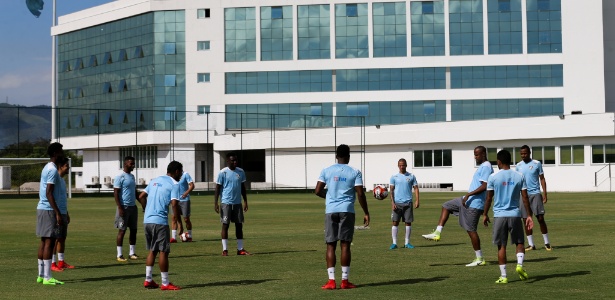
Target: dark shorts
404,212
184,208
157,238
468,217
130,219
63,229
536,205
46,224
339,227
231,213
502,226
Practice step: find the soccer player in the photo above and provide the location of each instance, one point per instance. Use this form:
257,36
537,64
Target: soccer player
469,207
231,182
158,194
49,217
402,185
342,182
532,170
507,186
126,214
186,185
62,202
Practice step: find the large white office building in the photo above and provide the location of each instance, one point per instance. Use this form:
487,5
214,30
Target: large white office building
284,82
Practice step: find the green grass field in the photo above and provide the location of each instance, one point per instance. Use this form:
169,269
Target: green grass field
285,234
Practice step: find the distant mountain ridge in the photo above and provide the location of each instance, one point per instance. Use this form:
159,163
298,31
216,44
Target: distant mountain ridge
34,123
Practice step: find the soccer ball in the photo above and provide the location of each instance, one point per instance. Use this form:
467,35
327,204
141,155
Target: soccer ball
380,192
185,237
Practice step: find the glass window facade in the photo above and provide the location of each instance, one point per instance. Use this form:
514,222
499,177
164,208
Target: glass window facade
389,25
240,34
427,28
203,77
276,33
351,31
267,116
390,79
466,27
505,31
433,158
279,82
390,112
505,108
544,26
571,154
507,76
603,154
203,45
544,154
314,31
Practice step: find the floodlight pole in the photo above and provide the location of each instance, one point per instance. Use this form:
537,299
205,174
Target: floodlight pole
53,76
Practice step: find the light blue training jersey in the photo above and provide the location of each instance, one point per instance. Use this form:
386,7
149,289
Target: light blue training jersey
231,181
126,183
532,171
481,175
59,194
403,187
184,184
49,175
506,186
160,191
341,180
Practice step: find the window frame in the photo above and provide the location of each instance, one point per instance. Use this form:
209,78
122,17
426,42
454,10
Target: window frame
572,149
428,158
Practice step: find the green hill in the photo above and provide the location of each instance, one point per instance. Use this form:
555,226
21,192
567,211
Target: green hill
21,123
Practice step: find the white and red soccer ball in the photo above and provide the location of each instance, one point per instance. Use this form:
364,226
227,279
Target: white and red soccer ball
380,192
185,237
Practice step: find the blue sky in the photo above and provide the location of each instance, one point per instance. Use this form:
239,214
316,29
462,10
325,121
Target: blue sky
25,49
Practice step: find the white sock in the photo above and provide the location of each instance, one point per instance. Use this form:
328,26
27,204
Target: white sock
60,256
173,234
530,240
47,268
165,278
394,234
546,238
190,232
41,268
53,258
132,249
479,253
503,270
439,228
148,273
345,271
408,231
224,244
331,272
520,257
239,244
119,251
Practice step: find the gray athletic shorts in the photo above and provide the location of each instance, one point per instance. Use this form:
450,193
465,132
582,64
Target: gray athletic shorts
231,213
157,238
468,217
130,219
404,211
339,227
46,225
184,208
63,229
504,225
538,208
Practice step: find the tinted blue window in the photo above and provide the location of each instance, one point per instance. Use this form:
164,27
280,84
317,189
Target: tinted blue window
389,29
276,12
466,27
427,7
544,26
351,10
169,48
504,5
506,76
169,80
505,108
351,36
505,28
276,33
240,34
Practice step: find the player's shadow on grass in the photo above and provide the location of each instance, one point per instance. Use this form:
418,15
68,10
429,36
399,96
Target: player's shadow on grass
227,283
439,245
558,275
534,259
283,252
115,265
406,281
194,255
111,278
571,246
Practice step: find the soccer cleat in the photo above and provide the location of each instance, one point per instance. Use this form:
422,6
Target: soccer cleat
521,272
52,281
408,246
224,252
479,261
56,268
150,284
189,239
330,285
39,279
173,240
169,287
393,247
133,256
121,259
502,280
434,236
62,264
530,248
347,285
548,247
243,252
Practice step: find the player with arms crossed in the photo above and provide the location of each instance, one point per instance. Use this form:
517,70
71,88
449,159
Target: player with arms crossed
469,207
342,182
186,185
126,214
158,194
402,185
532,170
231,182
59,192
507,186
